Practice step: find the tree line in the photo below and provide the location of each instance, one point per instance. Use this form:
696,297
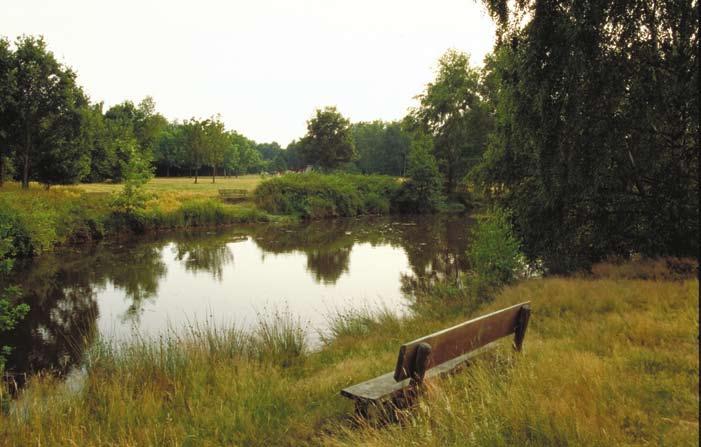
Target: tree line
52,133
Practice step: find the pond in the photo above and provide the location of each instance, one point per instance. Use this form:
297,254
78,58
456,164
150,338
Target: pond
151,285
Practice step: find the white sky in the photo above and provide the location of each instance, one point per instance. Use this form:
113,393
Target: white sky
264,65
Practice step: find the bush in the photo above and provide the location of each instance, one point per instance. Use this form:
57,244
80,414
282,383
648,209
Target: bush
315,195
494,253
422,192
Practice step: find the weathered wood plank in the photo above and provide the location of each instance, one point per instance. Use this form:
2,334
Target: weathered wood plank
233,194
458,340
385,387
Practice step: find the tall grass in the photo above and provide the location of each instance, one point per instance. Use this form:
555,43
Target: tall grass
607,361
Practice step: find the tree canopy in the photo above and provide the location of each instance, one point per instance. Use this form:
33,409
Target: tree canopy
328,142
597,135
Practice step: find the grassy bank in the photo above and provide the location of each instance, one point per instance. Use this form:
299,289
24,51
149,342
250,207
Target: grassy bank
39,219
610,359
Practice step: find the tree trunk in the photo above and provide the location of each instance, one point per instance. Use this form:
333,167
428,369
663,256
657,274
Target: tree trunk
2,170
167,170
25,172
214,172
196,175
25,169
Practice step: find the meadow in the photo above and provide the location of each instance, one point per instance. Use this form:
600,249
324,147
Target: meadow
611,358
180,185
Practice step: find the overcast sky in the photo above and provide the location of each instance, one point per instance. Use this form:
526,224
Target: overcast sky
264,65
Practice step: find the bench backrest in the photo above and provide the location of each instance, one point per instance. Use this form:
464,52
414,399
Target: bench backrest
463,338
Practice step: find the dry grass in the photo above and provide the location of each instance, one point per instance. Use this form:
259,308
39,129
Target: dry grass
608,361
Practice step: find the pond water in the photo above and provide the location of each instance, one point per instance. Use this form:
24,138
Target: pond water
150,285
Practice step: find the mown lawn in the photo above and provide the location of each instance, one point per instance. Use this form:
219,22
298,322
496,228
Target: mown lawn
204,185
610,359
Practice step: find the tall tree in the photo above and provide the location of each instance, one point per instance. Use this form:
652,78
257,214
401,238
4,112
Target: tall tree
41,114
597,141
382,147
216,142
328,142
6,88
194,138
169,151
453,111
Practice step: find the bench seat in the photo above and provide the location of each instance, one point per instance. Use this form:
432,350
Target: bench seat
385,387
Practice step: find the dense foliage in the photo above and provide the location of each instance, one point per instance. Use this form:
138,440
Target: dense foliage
452,110
422,191
596,148
315,195
329,142
494,252
383,148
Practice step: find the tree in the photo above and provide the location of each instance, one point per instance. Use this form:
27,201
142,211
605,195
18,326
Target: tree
169,151
382,147
41,116
148,125
328,142
137,172
6,88
421,193
596,147
215,141
293,155
454,113
194,138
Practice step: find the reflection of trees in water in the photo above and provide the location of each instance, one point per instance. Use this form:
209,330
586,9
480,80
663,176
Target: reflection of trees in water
62,320
328,266
138,276
436,250
61,293
209,254
327,245
435,245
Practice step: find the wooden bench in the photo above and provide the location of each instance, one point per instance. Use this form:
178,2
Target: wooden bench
434,355
233,195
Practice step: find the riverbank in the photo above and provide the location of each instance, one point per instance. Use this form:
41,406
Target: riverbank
610,358
38,220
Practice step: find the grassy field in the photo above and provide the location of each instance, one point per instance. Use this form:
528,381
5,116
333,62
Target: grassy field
186,185
610,359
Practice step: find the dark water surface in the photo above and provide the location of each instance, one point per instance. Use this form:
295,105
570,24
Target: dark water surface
148,286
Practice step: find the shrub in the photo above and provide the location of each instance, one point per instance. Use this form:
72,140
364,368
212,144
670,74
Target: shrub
494,253
316,195
422,192
133,197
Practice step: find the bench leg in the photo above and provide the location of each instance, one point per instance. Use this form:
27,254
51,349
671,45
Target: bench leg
523,316
361,409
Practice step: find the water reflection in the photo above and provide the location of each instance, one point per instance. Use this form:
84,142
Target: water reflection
152,283
210,254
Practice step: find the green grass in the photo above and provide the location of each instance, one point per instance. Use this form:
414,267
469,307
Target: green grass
608,360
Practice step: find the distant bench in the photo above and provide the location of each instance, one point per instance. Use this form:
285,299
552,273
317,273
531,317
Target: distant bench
233,195
438,354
